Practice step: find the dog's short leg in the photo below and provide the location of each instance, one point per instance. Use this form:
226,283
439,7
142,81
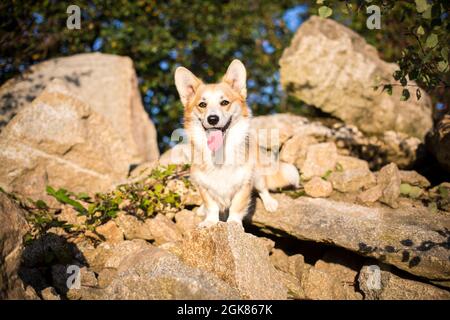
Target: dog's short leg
239,204
270,203
210,208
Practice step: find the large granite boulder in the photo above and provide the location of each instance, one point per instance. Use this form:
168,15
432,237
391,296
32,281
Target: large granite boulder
59,140
333,68
108,83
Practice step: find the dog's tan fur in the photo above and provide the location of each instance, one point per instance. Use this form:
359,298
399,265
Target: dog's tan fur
227,183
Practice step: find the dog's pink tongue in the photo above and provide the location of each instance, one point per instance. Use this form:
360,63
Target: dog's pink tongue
215,140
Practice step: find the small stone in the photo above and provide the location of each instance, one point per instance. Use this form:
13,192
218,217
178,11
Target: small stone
348,163
280,260
132,227
318,188
163,229
294,150
413,178
389,178
371,195
50,294
332,278
71,216
352,180
110,232
320,158
88,278
187,220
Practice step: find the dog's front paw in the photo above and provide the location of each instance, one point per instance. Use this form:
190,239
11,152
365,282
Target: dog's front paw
232,219
270,204
207,223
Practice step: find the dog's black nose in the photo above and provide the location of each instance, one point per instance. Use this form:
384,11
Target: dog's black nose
213,119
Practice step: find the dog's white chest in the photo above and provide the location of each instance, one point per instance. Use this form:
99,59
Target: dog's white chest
222,182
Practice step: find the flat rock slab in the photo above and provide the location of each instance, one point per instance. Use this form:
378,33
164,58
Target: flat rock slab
412,239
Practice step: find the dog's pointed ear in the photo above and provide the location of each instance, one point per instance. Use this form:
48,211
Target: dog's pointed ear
236,77
187,84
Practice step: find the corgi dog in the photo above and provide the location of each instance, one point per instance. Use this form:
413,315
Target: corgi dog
227,163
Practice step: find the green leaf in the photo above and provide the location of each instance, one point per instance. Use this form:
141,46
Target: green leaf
444,53
327,174
443,191
418,94
427,13
421,5
443,66
388,89
405,188
158,188
420,31
405,95
403,81
432,41
83,196
41,204
415,192
325,11
62,196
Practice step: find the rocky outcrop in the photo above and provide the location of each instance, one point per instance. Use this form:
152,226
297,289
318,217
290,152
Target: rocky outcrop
60,141
222,262
13,228
438,142
107,83
333,68
408,238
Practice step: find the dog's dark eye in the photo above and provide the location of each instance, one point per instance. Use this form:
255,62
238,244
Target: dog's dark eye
224,102
202,104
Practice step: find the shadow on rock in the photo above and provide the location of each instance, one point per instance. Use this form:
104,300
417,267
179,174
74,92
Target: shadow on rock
51,261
